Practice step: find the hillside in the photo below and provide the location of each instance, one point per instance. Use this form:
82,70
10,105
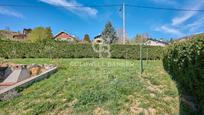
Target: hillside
97,86
189,37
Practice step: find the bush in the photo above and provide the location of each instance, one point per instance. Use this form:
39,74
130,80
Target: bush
39,34
185,62
54,49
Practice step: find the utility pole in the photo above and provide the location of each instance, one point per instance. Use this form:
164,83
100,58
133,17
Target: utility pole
124,32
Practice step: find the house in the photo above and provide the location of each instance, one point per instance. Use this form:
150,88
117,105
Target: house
22,35
154,42
19,36
26,31
98,40
63,36
7,34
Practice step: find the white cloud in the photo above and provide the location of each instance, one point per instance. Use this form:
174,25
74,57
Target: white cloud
170,30
4,11
185,23
73,6
187,15
197,24
167,2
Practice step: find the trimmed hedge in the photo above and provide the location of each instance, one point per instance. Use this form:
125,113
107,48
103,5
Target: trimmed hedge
185,62
53,49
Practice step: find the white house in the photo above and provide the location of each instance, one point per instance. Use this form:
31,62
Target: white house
98,40
152,42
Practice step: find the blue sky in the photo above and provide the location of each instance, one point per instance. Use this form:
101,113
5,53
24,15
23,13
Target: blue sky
91,20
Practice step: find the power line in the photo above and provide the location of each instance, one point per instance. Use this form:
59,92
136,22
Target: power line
162,8
26,5
109,5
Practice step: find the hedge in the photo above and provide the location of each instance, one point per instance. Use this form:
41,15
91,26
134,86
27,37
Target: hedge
53,49
185,62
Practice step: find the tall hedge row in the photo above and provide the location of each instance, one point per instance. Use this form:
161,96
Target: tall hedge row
185,62
54,49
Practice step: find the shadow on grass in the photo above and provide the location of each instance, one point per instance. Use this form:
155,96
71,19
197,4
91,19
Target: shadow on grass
188,105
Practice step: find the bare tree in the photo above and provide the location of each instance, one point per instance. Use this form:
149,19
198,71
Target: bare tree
119,33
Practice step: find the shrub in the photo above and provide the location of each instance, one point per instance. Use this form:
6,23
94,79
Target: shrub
54,49
39,34
185,62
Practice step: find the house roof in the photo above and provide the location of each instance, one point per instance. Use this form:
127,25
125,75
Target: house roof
98,36
65,33
158,41
74,37
61,33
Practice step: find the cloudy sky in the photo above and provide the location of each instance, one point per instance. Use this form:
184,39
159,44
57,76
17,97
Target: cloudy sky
91,18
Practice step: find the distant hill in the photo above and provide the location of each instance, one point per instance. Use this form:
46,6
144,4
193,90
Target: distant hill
189,37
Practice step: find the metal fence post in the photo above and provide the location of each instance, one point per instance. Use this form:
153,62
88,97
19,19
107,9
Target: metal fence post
147,58
141,59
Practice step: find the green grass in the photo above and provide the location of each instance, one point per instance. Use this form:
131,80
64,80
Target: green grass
92,86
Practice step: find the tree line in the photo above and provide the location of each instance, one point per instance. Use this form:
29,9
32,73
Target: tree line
109,35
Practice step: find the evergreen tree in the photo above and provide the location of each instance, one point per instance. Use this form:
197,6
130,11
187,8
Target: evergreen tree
86,38
109,34
171,40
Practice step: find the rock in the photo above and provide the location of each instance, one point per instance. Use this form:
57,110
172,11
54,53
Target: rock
35,70
48,66
5,71
8,71
17,75
43,69
4,65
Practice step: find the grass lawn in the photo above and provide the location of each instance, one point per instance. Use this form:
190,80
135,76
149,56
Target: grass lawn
97,86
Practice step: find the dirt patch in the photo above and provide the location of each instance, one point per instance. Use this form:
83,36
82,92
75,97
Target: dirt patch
67,111
73,102
168,99
100,111
152,95
136,109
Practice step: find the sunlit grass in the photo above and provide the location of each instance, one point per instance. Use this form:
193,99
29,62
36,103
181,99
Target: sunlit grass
91,86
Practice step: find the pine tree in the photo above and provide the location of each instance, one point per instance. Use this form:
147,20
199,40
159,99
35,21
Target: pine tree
86,39
109,34
171,40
